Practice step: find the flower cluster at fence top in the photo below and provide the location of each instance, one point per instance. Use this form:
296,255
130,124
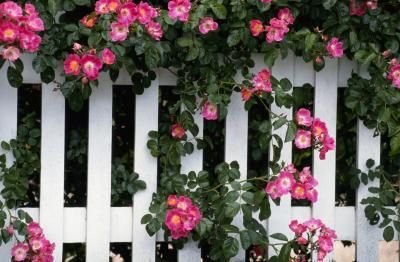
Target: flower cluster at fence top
312,235
300,185
183,216
86,64
36,248
126,15
18,29
313,132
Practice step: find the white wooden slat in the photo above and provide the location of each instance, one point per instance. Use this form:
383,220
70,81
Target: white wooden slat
280,215
236,147
304,73
75,225
99,172
143,246
325,170
346,68
29,75
8,129
193,162
52,166
368,147
121,222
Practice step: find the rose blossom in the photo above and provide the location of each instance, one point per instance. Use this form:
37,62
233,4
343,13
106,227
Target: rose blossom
335,47
29,41
34,229
303,139
303,117
262,81
394,74
286,16
11,9
8,32
210,111
91,65
72,65
246,94
101,7
207,24
20,251
154,30
145,13
127,13
256,27
177,131
88,21
179,10
10,53
108,57
119,32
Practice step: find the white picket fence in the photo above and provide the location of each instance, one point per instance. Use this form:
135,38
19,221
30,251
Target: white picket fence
99,224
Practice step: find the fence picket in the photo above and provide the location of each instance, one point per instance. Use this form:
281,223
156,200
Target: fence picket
52,167
281,215
99,172
236,147
8,130
367,236
193,162
326,87
146,119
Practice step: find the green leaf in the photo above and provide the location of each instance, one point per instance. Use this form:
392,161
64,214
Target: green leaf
370,163
388,233
185,41
310,41
5,145
232,209
270,56
146,219
279,236
245,239
219,10
284,254
54,6
328,4
233,38
230,247
291,132
14,77
47,75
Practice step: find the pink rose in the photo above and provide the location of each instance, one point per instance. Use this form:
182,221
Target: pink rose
256,27
154,30
179,10
335,47
72,65
119,32
91,65
177,131
207,24
210,111
127,13
108,57
303,117
303,139
10,53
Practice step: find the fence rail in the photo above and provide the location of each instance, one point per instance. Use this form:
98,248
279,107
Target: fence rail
99,224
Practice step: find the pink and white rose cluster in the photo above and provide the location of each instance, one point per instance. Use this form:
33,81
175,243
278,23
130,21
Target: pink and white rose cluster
87,63
300,185
261,83
36,248
314,235
312,132
124,14
19,28
182,216
277,28
394,73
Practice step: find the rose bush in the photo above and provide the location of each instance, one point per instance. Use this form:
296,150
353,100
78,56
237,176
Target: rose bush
205,44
